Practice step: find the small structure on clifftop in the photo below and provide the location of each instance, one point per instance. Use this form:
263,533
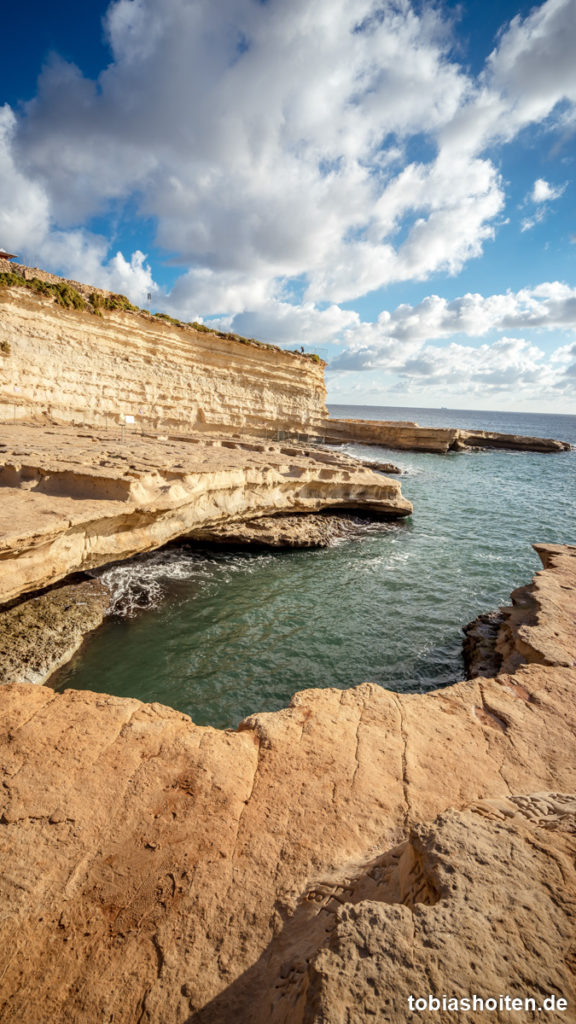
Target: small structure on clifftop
7,255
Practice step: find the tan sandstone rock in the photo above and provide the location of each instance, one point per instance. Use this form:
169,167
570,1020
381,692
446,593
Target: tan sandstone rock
70,366
75,500
475,910
157,871
404,435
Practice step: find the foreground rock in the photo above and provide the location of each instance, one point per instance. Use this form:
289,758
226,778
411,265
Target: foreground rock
157,871
41,634
450,915
103,498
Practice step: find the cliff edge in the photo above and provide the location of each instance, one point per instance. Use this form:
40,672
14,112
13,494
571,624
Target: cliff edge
73,354
74,500
324,862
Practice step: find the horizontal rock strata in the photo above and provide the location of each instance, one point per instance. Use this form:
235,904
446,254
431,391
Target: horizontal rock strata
70,366
408,436
67,365
293,870
72,501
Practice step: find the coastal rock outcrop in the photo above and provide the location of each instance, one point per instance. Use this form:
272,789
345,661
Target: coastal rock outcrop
39,635
522,633
155,870
408,436
76,500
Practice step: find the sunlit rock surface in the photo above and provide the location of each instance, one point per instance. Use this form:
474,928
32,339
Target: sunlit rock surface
75,500
333,857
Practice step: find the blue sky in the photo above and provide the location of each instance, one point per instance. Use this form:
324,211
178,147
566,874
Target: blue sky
389,184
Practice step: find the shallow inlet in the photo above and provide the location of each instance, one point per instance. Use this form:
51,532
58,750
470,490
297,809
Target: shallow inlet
225,633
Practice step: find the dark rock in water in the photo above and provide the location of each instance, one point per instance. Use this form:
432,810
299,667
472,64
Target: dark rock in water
479,647
41,634
290,531
380,467
137,595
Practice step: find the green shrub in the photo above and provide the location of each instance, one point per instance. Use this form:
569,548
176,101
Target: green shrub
63,293
120,302
169,319
9,279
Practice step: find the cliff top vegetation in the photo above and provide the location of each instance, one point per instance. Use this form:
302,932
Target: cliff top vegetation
96,302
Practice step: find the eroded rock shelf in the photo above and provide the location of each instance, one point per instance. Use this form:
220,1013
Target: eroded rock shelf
312,863
73,501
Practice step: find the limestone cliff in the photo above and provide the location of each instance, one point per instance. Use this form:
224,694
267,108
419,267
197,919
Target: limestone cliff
72,366
95,365
322,863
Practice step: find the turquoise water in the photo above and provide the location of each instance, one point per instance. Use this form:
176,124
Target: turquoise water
226,633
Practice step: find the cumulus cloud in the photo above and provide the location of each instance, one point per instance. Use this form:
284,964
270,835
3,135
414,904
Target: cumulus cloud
292,157
406,329
401,345
24,204
27,226
506,367
543,192
268,141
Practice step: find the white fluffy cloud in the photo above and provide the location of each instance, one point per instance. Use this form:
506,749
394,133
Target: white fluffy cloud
26,224
270,141
406,330
544,192
506,367
293,156
541,194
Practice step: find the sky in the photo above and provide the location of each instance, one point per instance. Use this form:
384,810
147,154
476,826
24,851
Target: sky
389,184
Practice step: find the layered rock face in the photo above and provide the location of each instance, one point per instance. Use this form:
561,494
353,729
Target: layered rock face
70,366
74,501
404,435
74,367
322,863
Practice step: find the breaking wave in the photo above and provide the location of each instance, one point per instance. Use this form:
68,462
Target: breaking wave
145,581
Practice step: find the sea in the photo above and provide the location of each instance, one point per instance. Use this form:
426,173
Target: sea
221,633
